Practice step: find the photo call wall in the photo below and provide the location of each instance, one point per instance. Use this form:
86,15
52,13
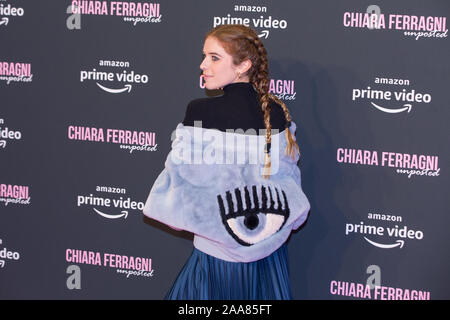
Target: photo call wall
91,92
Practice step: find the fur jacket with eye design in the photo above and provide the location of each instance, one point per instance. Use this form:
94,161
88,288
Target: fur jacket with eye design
212,186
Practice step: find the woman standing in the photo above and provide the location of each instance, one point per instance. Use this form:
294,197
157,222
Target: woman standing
241,210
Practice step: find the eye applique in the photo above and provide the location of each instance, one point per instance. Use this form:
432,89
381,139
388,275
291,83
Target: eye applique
255,223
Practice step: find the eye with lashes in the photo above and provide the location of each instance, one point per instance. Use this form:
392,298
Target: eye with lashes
213,58
254,223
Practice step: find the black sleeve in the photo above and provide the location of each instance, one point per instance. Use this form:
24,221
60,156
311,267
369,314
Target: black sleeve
189,115
195,111
277,117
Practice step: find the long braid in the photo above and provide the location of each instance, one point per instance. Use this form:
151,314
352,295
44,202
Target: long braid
260,80
292,144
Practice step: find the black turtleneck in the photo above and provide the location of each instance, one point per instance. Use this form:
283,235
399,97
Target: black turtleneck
238,107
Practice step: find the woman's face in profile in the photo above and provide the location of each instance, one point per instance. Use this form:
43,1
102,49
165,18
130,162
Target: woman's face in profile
217,65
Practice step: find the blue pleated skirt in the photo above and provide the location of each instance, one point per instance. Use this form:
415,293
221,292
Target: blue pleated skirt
205,277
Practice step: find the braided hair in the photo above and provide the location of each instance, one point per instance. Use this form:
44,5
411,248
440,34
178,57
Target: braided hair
242,43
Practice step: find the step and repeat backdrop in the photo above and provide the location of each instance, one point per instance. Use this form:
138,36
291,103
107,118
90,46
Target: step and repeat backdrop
91,91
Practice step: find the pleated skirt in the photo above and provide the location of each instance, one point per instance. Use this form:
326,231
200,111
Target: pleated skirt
205,277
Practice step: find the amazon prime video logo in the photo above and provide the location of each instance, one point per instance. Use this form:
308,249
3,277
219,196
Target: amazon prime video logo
108,207
256,17
114,82
391,235
391,101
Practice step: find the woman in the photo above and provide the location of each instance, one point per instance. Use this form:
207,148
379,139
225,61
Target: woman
243,208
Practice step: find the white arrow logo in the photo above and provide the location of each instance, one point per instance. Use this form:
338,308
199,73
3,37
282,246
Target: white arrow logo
3,143
407,106
387,246
127,87
109,216
5,21
264,34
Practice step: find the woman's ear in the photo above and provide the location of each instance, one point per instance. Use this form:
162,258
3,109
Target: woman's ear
245,66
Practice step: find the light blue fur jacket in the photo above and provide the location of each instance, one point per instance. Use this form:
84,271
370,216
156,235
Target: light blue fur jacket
212,186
